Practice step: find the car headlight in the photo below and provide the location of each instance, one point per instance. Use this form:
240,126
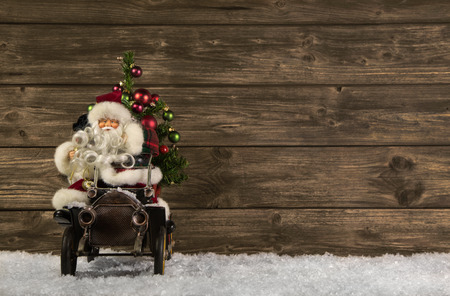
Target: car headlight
87,217
140,219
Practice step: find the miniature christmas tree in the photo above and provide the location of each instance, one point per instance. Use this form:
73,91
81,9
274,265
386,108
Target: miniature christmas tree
145,107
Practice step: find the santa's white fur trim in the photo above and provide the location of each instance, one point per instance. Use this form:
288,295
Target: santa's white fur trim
109,110
62,157
129,176
65,196
161,203
135,138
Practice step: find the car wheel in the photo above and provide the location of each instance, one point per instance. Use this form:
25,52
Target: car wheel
169,246
68,252
160,251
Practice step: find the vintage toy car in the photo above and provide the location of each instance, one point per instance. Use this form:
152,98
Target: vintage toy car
123,219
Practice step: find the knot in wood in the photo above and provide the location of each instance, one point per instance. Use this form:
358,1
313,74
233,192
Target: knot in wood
309,58
276,219
400,163
322,111
387,56
221,153
308,42
280,3
12,116
409,193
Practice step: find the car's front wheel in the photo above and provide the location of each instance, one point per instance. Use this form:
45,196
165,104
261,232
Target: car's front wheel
68,252
160,251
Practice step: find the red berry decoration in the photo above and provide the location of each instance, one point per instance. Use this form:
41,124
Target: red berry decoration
142,96
117,87
163,149
136,71
137,107
154,99
149,121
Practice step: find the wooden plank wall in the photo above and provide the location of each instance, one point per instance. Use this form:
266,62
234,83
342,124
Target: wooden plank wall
310,126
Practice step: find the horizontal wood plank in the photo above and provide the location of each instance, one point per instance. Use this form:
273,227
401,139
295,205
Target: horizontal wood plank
271,177
237,55
42,116
293,232
224,12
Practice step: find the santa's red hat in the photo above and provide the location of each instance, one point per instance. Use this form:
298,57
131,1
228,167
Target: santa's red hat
110,106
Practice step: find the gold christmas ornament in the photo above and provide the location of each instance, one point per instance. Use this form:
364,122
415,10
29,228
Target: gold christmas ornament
87,184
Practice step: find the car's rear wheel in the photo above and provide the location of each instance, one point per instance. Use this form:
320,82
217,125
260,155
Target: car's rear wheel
169,246
160,251
68,252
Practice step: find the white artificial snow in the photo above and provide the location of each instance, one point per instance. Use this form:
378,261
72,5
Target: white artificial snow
129,194
210,274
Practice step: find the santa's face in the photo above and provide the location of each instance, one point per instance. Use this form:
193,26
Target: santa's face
107,136
107,123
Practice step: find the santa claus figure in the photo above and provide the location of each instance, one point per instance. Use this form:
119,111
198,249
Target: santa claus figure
109,143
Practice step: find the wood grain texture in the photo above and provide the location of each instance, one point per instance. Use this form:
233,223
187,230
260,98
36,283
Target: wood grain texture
293,232
310,126
270,177
224,12
234,55
42,116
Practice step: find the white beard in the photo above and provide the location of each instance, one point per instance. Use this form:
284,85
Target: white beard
101,147
107,140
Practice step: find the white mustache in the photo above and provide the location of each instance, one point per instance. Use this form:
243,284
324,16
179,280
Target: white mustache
107,128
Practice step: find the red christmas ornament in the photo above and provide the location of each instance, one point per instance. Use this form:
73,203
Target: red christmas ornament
137,107
117,87
154,98
149,121
142,96
136,71
163,149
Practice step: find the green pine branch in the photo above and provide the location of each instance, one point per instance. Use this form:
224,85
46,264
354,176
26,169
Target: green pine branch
127,64
172,166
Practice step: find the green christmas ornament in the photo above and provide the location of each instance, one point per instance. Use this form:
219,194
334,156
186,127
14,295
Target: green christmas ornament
174,137
168,115
90,107
125,97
